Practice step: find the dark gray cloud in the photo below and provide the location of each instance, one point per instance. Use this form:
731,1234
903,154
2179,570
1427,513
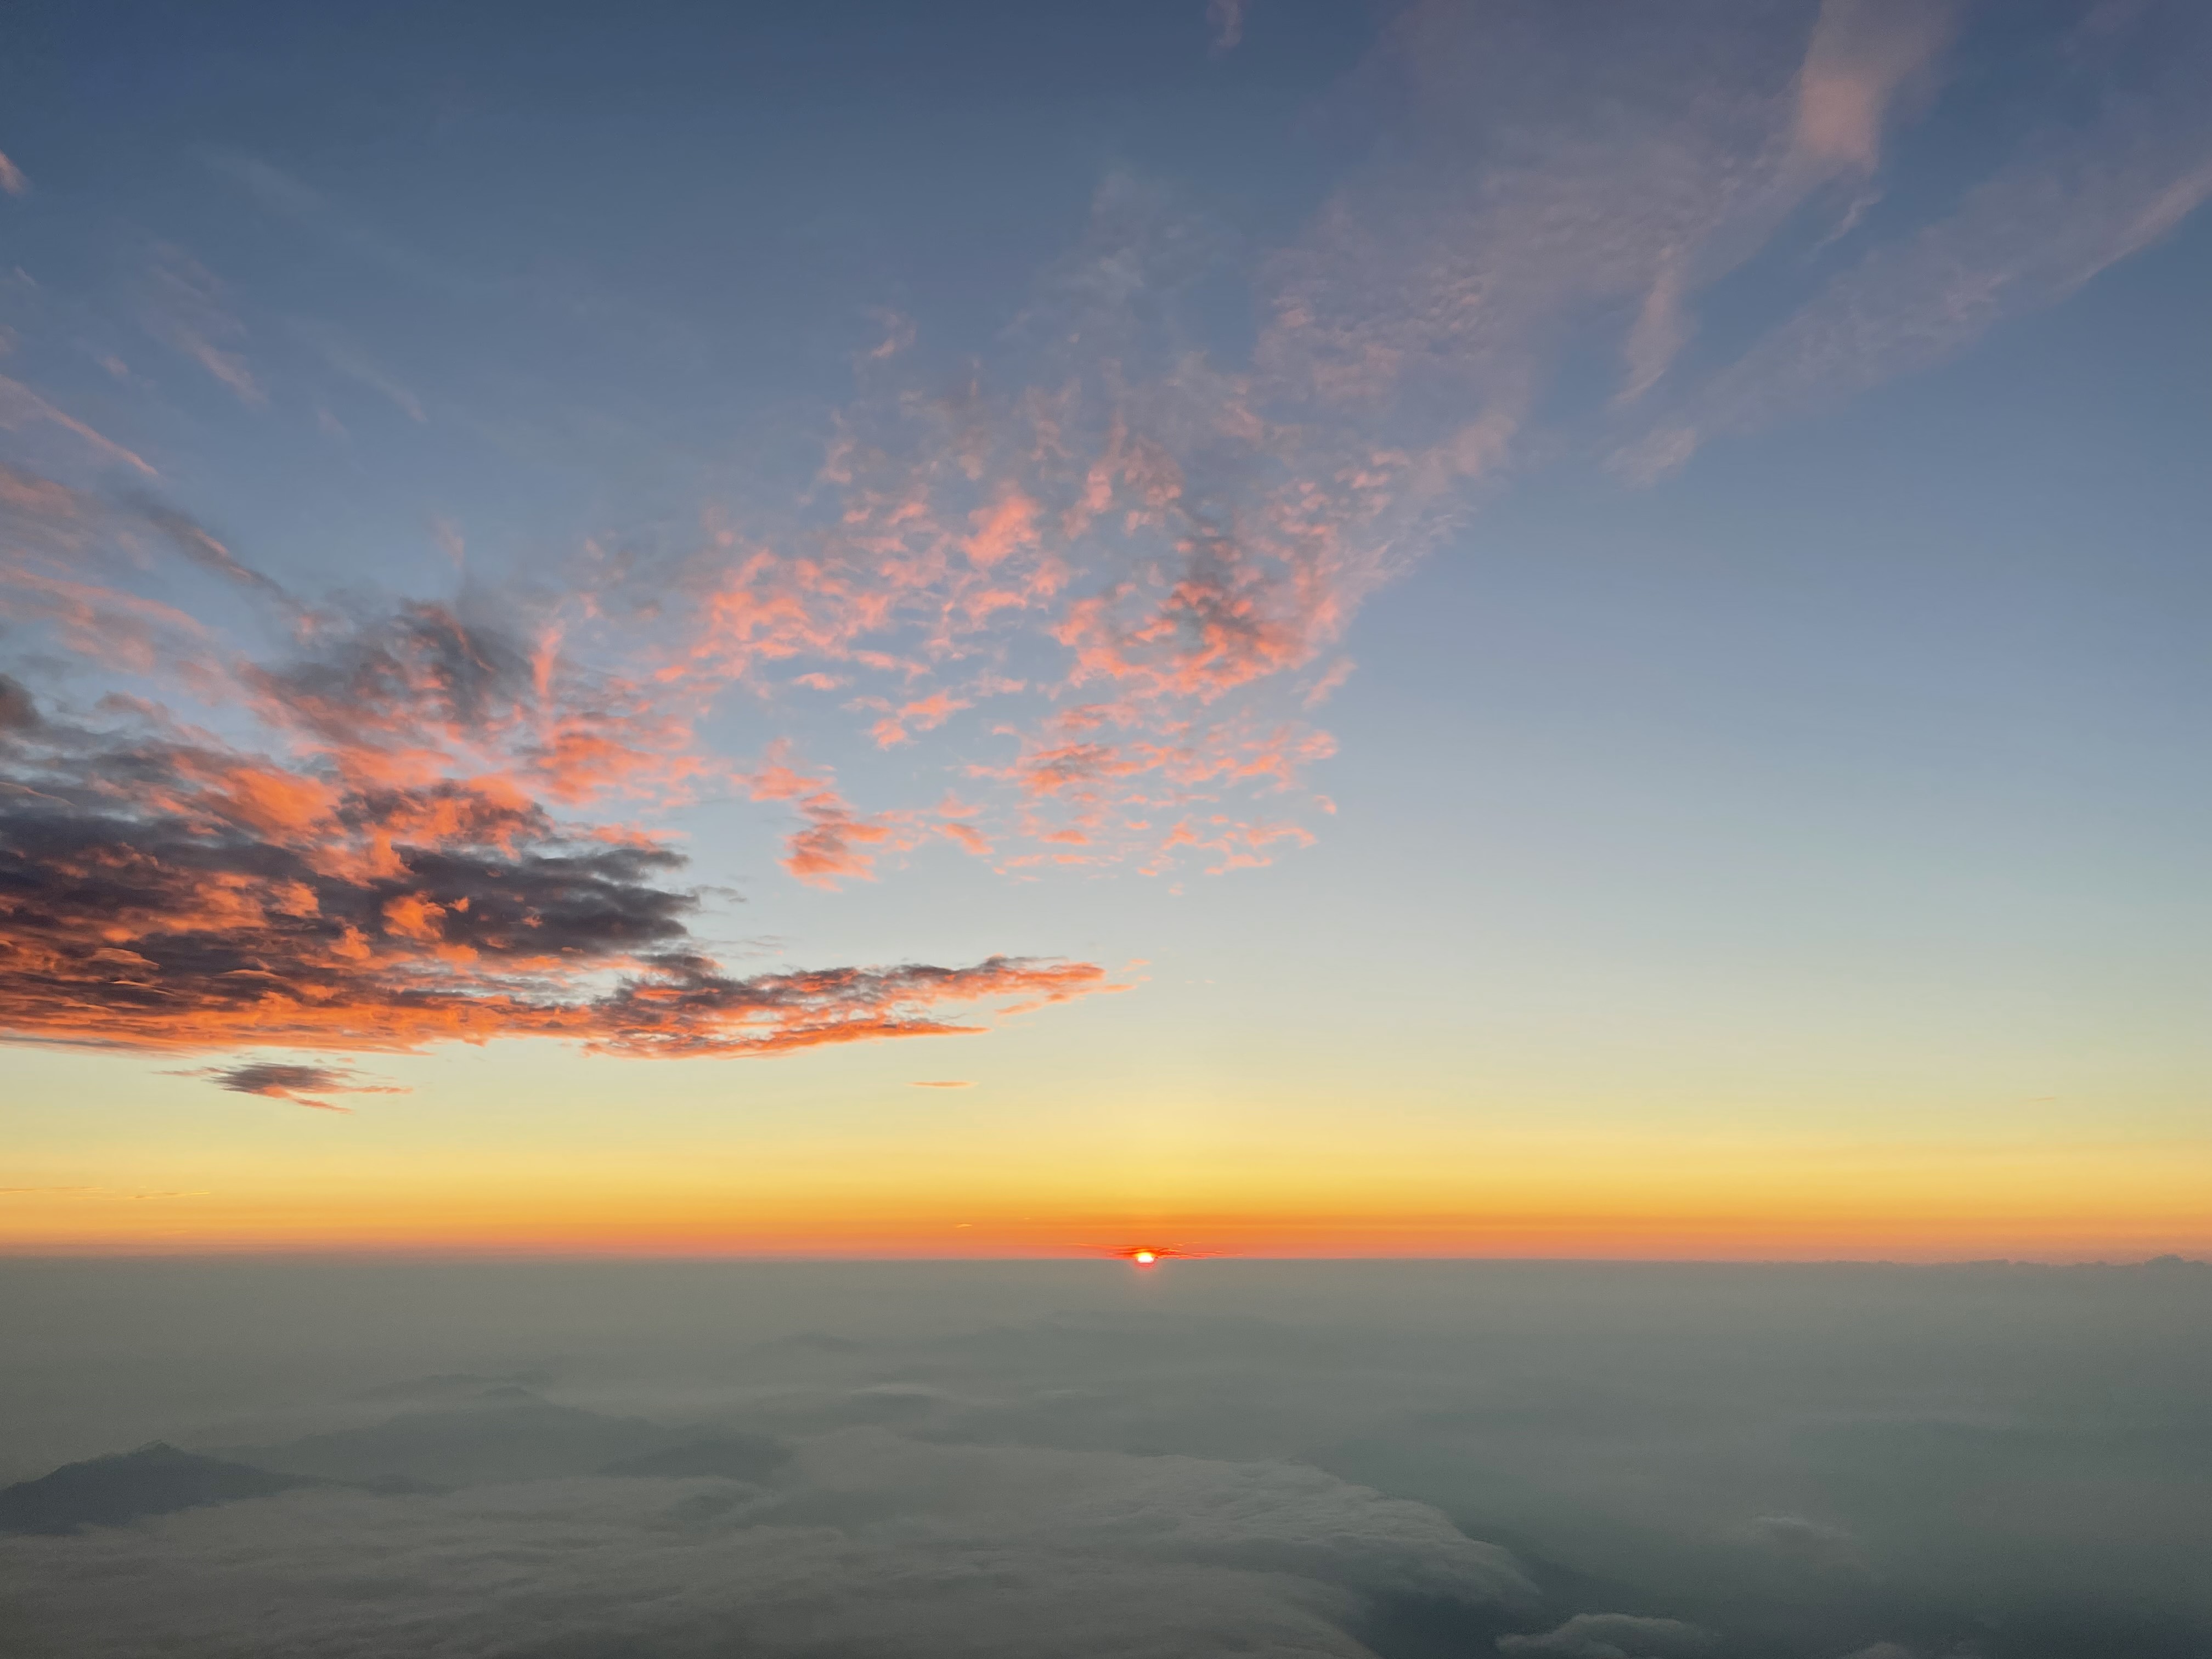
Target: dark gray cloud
406,849
167,893
18,712
1614,1636
276,1080
1809,1542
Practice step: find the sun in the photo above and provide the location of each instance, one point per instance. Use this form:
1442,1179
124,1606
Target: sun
1144,1255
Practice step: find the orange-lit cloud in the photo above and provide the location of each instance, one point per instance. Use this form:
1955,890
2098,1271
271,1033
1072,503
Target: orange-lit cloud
392,864
158,893
833,843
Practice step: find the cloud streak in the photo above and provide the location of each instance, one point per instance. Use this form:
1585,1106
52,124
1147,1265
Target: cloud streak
2082,199
1100,579
299,1083
1154,553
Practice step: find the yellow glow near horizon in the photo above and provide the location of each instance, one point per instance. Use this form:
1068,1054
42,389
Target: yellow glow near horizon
1648,1198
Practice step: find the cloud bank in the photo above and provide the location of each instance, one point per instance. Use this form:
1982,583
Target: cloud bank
1210,1456
865,1543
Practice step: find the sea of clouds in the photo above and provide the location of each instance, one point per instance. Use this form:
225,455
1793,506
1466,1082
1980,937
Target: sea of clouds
1592,1460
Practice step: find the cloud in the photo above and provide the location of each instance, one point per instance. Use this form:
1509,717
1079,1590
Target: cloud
164,895
862,1544
1168,548
389,870
12,181
1809,1541
19,406
96,1192
1614,1636
18,712
334,347
194,542
1226,18
185,310
1863,55
1144,557
837,845
2079,198
943,1083
923,714
23,493
1041,1425
276,1080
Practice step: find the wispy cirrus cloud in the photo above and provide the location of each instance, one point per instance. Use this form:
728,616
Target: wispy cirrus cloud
1865,56
1100,577
1166,549
187,310
20,407
94,1191
1226,19
335,348
2083,196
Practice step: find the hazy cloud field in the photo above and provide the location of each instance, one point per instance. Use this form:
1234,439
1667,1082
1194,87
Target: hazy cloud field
1400,1459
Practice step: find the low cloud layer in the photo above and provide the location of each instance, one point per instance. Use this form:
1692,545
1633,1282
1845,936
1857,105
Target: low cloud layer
865,1544
1395,1460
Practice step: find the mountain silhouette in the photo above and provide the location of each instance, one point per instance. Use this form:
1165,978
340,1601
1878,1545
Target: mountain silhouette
154,1480
506,1433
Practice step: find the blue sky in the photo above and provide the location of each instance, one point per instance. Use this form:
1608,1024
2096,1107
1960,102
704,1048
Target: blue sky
1639,584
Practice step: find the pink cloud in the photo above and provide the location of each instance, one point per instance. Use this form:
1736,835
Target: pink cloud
185,310
1227,19
836,844
19,406
923,714
1863,55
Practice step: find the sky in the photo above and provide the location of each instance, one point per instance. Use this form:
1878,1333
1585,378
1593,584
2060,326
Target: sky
1272,627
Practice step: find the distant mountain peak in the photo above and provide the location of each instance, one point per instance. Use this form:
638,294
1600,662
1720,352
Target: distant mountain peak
155,1478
